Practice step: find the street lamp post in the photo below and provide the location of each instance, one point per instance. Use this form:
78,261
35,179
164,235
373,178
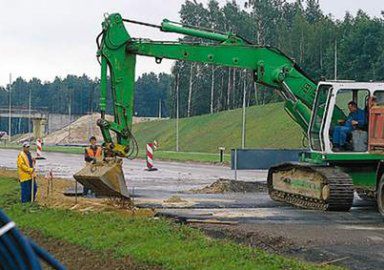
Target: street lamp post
10,108
29,111
243,131
177,112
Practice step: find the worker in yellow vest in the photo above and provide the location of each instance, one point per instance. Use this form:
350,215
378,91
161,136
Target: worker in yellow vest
92,153
26,171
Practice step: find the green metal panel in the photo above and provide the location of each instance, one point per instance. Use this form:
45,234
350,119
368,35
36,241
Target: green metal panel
360,166
318,157
364,177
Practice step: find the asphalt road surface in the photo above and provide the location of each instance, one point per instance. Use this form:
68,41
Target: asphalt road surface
354,239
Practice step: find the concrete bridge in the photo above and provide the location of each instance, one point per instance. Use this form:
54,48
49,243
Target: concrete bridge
43,122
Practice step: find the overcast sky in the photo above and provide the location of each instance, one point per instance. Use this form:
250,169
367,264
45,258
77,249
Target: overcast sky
48,38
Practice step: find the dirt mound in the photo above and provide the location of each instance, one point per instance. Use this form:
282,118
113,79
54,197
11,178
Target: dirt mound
20,138
84,127
227,185
175,199
78,131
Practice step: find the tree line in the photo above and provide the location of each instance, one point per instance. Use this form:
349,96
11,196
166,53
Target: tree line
79,95
300,29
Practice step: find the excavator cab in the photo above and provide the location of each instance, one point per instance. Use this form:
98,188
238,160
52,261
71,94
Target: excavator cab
331,109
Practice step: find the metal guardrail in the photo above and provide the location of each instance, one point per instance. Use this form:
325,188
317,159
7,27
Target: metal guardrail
24,110
262,159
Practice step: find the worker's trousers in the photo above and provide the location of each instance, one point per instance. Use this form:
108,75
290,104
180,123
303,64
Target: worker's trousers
26,190
340,134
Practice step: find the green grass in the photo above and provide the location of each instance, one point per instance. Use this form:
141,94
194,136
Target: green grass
155,242
159,155
50,148
267,126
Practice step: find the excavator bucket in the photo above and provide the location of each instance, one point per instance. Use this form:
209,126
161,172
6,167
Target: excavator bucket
105,178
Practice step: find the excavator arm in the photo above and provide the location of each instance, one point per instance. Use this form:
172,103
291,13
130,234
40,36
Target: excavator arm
117,52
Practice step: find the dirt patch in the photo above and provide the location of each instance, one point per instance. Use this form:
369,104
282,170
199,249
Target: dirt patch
313,243
175,199
52,196
272,243
254,238
77,257
227,185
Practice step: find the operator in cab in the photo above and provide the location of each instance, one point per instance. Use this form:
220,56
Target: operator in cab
92,153
26,171
356,119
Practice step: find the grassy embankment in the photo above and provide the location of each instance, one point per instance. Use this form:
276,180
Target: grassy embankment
148,241
267,126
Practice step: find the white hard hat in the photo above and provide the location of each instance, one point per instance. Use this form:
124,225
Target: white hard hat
26,144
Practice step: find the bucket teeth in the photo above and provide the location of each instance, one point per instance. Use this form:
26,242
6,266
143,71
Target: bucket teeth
105,178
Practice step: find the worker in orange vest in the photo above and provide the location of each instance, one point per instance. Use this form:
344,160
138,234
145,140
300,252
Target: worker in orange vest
92,153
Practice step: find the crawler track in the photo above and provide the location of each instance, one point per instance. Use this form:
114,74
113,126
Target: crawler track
340,186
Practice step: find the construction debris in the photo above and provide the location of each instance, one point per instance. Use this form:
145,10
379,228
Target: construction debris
55,198
227,185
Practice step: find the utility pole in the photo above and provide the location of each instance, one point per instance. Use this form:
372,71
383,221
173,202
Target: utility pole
335,60
243,131
177,112
70,104
212,87
159,108
69,113
29,111
10,108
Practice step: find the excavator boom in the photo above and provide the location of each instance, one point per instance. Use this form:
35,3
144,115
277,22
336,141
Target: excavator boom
117,52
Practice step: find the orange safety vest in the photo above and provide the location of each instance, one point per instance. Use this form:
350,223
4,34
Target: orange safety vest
92,153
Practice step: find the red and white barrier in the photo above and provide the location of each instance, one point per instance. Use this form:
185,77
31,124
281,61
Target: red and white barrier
39,149
150,166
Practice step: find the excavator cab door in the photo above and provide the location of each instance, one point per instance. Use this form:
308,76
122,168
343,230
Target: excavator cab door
319,117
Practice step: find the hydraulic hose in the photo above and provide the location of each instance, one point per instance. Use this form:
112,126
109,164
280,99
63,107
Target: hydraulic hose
18,252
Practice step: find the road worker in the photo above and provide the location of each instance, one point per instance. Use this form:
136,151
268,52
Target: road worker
92,153
26,171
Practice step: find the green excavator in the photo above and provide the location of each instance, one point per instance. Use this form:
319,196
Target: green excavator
323,179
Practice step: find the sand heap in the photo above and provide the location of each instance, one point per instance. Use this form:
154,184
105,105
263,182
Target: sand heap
20,138
227,185
79,131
